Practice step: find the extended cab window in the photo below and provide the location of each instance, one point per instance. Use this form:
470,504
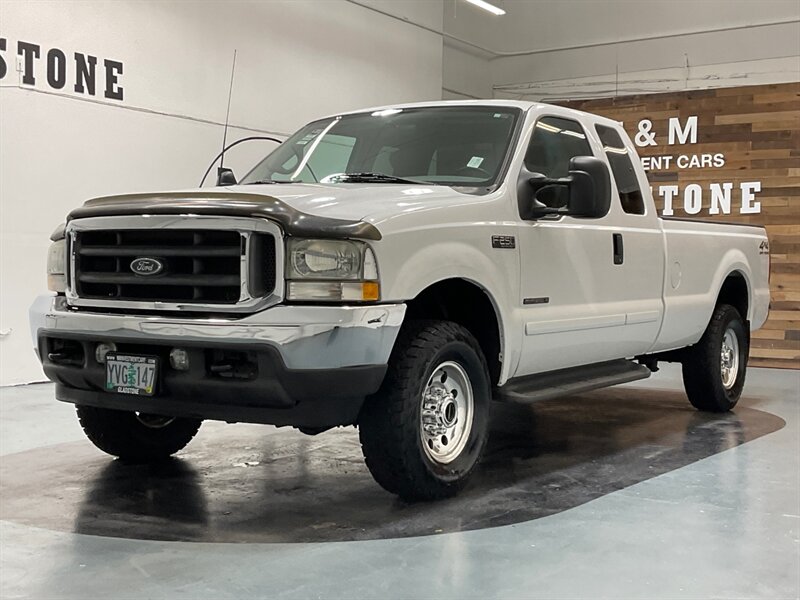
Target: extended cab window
630,194
554,143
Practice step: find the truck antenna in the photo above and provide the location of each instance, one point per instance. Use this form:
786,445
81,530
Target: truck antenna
227,115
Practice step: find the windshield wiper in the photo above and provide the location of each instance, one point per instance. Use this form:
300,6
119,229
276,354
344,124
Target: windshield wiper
373,178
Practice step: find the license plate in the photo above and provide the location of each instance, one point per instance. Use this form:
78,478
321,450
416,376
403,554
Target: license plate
130,374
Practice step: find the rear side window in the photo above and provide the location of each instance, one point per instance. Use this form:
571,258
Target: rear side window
630,194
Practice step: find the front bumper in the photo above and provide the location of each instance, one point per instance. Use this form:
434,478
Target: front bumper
307,366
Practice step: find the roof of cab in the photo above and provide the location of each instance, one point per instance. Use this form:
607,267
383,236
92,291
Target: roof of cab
438,103
525,106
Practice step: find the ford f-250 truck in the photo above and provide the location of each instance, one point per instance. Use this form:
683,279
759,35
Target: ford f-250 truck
395,269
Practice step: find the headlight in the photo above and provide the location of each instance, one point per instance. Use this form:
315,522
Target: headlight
324,259
331,270
57,266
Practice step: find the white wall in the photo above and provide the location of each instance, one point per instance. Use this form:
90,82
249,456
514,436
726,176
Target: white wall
557,49
296,61
465,74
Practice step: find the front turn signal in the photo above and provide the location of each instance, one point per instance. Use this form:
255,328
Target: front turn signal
333,291
370,291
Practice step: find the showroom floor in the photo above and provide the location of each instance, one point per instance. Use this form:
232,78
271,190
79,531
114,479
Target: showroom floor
620,493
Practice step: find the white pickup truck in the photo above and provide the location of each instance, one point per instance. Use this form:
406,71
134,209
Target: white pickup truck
396,269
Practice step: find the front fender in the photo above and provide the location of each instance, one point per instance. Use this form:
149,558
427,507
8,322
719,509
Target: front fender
496,272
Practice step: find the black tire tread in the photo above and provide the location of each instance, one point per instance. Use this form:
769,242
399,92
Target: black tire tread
120,434
701,370
386,423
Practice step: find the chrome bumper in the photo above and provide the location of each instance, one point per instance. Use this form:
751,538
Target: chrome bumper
307,337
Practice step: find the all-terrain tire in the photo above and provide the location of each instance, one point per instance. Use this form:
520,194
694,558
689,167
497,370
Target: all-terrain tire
136,438
704,364
391,421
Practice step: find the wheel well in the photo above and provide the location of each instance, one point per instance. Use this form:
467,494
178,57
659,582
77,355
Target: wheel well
734,292
468,305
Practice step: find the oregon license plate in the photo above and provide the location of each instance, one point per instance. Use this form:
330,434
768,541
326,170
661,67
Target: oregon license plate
131,374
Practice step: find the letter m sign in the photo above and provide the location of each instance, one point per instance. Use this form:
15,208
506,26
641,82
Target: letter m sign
687,134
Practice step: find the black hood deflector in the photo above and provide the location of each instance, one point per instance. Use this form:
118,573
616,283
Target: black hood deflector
228,204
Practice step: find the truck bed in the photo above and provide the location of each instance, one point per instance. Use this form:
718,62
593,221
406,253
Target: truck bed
700,255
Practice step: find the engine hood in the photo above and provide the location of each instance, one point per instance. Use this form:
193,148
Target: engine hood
359,201
328,210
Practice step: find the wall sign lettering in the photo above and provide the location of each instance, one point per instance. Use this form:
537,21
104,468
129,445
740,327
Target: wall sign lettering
62,70
717,197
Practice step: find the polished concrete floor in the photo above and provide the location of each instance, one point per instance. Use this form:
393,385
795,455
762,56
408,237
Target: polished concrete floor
620,493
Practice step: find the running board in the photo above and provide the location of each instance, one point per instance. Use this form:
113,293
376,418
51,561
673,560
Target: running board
575,380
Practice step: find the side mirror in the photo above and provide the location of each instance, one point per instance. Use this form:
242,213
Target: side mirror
588,186
225,176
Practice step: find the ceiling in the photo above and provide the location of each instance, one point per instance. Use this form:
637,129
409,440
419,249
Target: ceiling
536,25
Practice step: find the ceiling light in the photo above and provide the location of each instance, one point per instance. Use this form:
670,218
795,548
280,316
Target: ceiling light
495,10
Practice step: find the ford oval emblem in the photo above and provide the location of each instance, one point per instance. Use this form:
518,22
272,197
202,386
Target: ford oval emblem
147,266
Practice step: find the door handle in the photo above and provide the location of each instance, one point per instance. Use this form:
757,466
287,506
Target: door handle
619,251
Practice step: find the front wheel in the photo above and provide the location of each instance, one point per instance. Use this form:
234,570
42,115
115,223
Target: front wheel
714,369
136,437
423,432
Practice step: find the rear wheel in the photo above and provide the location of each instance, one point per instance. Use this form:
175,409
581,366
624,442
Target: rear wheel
424,431
714,369
133,436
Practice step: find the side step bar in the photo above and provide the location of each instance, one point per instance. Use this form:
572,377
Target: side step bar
575,380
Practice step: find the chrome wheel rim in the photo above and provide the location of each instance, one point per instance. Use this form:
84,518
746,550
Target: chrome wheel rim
153,421
729,358
447,412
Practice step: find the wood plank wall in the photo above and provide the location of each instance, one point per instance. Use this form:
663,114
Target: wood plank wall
756,129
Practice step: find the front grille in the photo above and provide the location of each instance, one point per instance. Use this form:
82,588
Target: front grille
202,266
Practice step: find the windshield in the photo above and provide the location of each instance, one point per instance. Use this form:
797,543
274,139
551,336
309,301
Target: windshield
455,145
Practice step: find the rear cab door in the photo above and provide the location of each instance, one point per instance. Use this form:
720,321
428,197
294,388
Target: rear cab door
639,248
